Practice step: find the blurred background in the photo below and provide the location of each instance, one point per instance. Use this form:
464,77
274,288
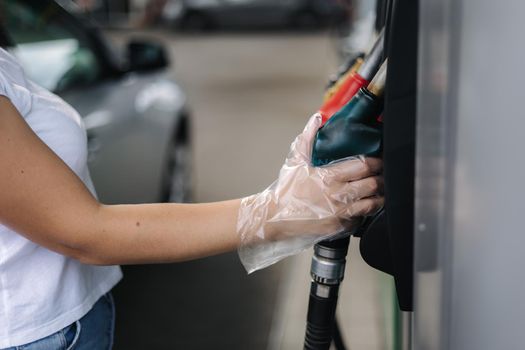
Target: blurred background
199,100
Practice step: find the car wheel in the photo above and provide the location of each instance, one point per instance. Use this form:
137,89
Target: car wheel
177,187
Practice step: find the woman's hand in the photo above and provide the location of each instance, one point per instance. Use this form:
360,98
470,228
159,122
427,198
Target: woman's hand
307,204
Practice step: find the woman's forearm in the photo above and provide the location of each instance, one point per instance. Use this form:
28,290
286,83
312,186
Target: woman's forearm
157,233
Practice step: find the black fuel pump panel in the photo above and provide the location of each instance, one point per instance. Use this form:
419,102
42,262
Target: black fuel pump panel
388,244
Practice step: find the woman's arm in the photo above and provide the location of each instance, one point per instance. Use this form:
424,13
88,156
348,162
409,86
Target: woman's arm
45,201
42,199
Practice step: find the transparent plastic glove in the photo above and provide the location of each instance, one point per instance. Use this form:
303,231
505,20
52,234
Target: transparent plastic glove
306,204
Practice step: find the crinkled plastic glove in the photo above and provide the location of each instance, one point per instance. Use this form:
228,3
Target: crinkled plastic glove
306,204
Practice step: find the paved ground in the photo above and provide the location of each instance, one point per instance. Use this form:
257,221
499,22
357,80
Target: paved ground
250,94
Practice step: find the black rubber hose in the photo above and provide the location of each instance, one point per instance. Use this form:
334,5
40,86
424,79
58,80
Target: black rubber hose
320,320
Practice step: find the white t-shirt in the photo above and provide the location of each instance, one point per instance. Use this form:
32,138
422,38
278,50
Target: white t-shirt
41,291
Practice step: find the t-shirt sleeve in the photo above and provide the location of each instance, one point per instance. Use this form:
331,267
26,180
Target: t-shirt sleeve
13,85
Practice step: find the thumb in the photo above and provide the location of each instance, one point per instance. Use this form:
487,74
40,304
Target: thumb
304,142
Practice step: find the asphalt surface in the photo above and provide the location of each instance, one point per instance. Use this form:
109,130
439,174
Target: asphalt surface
250,96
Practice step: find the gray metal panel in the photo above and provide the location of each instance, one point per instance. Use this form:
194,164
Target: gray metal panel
469,283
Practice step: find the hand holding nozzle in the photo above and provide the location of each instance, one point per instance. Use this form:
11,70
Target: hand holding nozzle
324,188
354,130
306,204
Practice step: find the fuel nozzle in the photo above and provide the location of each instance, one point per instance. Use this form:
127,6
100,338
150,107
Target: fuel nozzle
351,65
355,129
354,81
336,83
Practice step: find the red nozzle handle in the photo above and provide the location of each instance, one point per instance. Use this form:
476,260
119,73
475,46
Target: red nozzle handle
345,93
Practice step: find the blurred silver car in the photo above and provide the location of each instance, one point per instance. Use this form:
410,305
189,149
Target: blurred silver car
136,117
205,14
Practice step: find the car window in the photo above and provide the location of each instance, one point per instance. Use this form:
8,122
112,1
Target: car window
55,53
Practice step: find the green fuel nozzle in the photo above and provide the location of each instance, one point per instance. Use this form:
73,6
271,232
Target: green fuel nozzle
355,129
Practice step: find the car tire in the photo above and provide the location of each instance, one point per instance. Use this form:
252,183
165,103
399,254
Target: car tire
177,183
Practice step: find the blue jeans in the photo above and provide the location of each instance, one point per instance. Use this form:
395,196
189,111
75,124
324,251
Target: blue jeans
94,331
